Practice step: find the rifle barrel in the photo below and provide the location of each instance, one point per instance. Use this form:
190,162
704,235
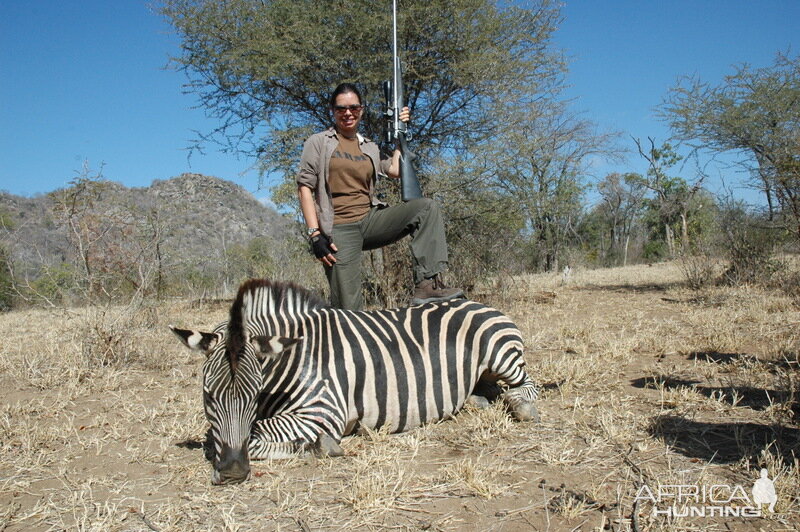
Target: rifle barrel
409,184
396,81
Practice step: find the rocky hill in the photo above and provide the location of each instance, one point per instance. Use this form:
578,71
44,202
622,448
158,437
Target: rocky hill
193,226
207,213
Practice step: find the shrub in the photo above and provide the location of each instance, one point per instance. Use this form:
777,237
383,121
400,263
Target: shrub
699,269
749,244
6,282
54,284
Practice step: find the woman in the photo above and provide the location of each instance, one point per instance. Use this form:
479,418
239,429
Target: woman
336,185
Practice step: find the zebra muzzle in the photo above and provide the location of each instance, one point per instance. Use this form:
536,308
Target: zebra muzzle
232,466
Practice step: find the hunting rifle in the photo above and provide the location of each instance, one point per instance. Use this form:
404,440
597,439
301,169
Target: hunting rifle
397,130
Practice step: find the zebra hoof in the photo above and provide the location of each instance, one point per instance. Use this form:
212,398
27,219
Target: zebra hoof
327,446
477,401
526,412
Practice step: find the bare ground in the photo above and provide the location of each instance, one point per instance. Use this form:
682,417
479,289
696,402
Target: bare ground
645,383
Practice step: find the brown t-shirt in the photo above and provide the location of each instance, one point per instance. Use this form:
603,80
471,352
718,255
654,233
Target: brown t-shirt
349,175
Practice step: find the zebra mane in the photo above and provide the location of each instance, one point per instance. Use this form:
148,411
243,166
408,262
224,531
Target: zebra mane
278,292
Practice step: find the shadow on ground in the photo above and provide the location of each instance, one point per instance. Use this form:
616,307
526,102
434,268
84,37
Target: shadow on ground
724,442
656,288
788,361
744,396
207,445
720,358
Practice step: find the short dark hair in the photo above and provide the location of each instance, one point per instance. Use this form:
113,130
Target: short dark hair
344,88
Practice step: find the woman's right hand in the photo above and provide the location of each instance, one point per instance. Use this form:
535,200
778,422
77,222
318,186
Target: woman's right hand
323,248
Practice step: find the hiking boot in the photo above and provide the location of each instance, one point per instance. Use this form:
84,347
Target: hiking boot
433,289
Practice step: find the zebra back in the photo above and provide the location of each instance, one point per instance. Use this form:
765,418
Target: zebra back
400,367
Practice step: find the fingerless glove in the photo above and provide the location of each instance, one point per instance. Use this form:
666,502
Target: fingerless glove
321,246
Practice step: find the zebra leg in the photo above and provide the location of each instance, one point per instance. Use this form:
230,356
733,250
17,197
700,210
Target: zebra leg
264,450
326,446
281,436
486,391
477,401
287,436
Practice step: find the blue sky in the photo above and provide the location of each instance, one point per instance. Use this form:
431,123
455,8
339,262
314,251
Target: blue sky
626,55
86,80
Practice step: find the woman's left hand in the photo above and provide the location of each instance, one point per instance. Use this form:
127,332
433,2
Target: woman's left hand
405,114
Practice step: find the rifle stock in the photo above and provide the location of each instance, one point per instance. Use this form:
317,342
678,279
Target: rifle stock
409,184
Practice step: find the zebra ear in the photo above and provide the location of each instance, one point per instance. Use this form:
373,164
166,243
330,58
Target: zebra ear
271,346
196,340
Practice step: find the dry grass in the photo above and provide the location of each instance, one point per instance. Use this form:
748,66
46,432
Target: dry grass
644,382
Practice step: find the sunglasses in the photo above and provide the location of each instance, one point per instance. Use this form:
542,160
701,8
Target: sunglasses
355,109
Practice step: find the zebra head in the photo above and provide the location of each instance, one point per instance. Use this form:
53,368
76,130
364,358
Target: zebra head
233,376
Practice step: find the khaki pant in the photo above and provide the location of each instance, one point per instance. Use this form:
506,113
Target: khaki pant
420,218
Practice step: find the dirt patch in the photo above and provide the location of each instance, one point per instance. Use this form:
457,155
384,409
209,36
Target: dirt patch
644,384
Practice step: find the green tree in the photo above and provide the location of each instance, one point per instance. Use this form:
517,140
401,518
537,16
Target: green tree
620,211
264,69
252,260
541,159
754,112
673,197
